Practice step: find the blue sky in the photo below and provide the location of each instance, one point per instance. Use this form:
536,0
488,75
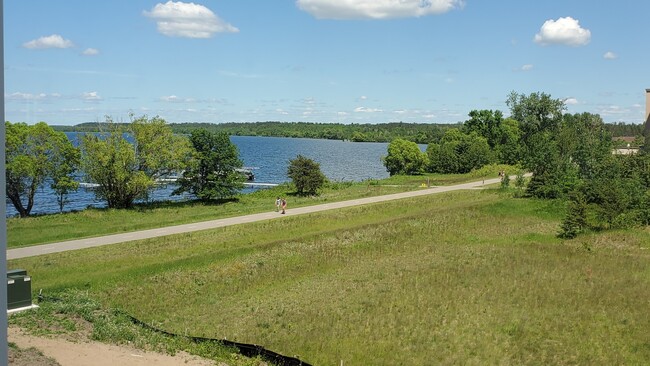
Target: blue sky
347,61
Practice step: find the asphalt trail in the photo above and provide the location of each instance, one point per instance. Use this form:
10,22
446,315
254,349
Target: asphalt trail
206,225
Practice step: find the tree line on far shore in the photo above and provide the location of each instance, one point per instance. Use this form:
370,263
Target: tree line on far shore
421,133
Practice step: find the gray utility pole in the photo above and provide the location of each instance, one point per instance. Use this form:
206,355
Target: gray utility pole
4,349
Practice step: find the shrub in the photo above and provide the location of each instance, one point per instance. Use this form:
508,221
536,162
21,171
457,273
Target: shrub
575,221
405,157
306,175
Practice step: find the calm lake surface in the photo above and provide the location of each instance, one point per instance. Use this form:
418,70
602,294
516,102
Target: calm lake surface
268,156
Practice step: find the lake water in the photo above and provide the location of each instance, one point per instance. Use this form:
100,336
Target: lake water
268,156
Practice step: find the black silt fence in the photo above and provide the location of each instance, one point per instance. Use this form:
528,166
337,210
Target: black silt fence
246,349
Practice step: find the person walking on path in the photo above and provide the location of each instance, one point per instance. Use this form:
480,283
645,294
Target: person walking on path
284,205
278,202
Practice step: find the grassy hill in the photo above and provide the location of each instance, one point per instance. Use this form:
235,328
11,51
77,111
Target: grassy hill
474,277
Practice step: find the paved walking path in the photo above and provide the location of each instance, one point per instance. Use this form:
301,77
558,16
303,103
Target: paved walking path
205,225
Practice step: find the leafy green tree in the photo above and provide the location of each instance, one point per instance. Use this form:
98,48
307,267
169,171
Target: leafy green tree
305,175
540,119
585,140
536,112
486,123
62,187
435,156
212,173
109,161
405,157
560,159
508,148
62,172
125,171
502,135
34,154
159,152
459,152
554,174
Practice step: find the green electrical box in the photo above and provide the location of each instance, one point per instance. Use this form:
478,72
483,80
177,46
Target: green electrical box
19,289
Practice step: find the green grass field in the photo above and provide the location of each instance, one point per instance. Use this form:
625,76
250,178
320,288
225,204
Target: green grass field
74,225
474,277
96,222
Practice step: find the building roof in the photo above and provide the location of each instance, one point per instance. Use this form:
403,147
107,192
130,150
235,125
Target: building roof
624,138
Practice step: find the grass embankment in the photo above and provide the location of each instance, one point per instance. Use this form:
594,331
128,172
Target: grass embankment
463,277
76,317
97,222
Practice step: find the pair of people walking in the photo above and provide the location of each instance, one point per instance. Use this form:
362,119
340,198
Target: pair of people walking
281,204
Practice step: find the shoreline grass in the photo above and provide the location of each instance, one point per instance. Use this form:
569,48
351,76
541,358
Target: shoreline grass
472,277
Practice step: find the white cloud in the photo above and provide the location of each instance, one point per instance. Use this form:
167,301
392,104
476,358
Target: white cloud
367,110
376,9
91,97
610,55
68,110
612,110
171,99
26,96
177,99
527,67
309,101
90,52
53,41
363,97
564,31
571,101
239,75
179,19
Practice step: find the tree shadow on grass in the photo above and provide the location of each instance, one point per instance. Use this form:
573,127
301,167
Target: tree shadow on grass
143,207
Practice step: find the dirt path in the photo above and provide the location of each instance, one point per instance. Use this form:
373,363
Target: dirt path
68,353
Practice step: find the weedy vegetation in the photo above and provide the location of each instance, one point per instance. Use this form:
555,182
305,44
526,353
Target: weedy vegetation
43,229
474,277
